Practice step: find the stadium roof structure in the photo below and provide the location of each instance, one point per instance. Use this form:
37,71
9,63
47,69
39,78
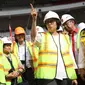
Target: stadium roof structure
17,7
17,12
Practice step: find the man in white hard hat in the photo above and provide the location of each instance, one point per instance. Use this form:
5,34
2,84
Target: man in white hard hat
52,63
81,57
69,24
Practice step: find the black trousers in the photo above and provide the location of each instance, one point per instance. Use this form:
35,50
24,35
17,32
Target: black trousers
53,82
80,81
29,76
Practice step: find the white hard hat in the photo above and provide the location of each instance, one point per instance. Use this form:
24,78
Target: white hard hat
66,17
6,40
39,29
60,29
81,26
51,14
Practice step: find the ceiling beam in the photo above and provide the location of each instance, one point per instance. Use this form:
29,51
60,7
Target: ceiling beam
43,9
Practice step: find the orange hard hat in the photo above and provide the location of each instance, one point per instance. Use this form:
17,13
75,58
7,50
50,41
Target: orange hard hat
19,30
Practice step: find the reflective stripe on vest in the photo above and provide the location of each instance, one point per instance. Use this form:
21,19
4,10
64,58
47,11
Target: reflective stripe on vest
35,51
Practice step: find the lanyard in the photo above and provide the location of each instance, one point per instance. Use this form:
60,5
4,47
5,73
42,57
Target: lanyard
73,44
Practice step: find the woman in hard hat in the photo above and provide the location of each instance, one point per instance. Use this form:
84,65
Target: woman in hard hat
12,68
22,48
81,56
55,65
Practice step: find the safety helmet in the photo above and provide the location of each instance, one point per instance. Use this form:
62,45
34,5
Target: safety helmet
19,30
54,15
39,29
60,29
66,17
81,25
6,40
51,14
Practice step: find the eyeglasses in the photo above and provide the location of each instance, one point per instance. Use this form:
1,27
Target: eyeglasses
50,21
69,21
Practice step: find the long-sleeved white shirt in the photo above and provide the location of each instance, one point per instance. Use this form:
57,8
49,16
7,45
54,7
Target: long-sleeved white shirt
21,54
81,57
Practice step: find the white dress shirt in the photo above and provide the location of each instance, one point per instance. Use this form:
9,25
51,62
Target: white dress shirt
61,74
21,54
81,57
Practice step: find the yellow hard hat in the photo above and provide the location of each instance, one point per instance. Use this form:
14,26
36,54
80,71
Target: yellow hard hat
19,30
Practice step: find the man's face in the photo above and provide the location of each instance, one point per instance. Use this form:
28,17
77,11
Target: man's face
69,25
7,48
20,37
51,25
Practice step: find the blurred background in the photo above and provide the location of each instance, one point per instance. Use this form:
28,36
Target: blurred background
15,13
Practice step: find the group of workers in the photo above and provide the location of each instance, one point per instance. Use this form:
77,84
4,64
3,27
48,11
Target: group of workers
54,56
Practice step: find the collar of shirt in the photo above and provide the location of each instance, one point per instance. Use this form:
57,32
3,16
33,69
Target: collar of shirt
22,44
9,55
74,32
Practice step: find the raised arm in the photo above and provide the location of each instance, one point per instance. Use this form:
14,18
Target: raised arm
34,20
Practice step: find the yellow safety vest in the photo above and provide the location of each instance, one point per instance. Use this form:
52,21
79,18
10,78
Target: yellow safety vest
82,40
15,48
79,38
7,67
2,73
35,51
82,37
1,47
47,58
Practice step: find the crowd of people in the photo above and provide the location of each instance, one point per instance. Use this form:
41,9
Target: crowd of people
54,56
